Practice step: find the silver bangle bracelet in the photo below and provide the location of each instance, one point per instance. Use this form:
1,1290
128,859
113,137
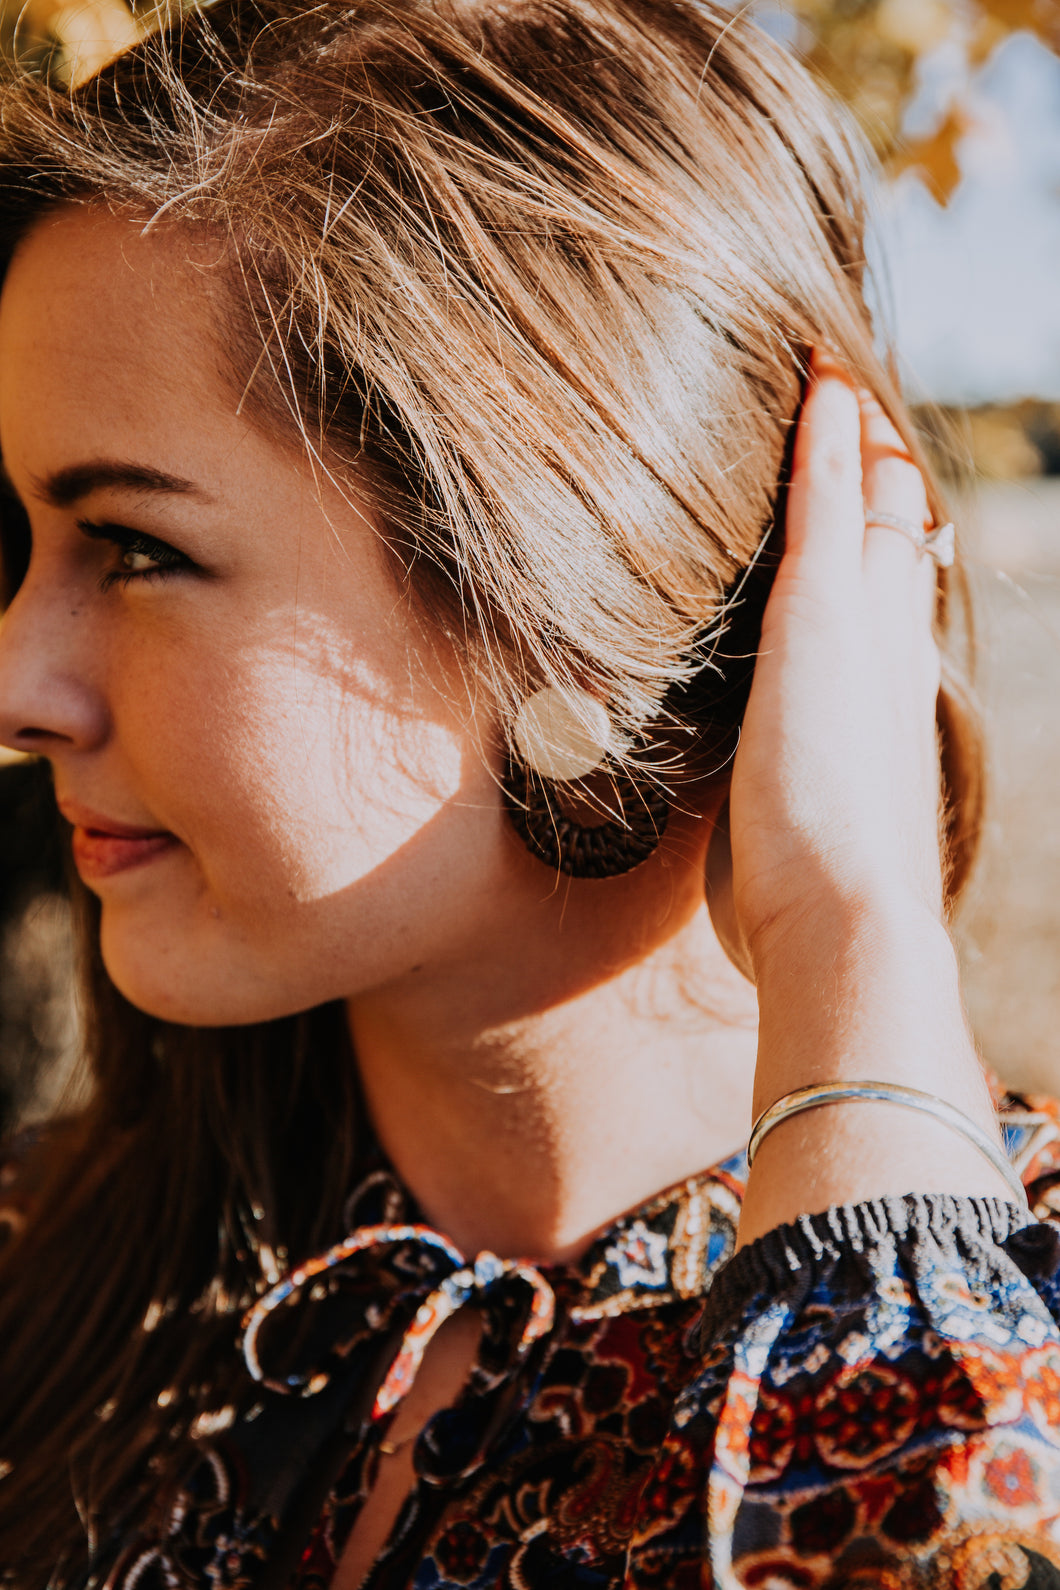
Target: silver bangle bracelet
886,1093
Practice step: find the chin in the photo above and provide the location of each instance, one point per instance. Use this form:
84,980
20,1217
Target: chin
168,1000
191,986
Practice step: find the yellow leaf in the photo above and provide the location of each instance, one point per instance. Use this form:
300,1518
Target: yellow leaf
92,35
999,18
936,157
1013,14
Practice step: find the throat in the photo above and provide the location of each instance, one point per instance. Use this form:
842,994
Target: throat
528,1137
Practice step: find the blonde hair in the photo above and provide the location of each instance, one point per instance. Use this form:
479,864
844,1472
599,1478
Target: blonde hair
551,270
547,272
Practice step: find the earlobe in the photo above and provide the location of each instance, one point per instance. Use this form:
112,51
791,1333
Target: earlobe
720,901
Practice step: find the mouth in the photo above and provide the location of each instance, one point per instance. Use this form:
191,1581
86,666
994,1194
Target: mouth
103,847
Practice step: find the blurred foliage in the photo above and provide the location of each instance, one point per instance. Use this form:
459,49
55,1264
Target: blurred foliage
871,51
994,442
1018,440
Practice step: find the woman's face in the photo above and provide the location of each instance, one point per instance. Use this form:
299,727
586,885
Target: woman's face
276,790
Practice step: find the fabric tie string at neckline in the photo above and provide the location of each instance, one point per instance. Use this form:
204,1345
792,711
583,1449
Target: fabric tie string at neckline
466,1281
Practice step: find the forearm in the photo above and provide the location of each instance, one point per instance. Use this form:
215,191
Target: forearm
867,993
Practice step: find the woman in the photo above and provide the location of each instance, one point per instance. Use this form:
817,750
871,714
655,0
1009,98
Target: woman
405,408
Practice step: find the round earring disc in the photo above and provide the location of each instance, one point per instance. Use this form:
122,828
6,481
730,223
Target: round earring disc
562,734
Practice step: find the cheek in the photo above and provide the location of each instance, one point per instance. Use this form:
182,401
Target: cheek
297,775
339,823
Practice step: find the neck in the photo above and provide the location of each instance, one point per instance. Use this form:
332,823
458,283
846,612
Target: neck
528,1097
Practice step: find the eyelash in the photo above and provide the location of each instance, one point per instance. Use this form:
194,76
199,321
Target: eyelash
166,558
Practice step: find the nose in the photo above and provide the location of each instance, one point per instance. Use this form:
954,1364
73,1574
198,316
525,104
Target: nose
49,701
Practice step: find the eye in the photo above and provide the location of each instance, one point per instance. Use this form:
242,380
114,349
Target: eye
136,556
134,561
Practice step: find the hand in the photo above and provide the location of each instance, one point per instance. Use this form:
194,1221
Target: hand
835,789
834,823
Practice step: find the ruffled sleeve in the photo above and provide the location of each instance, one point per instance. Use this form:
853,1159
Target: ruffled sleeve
879,1402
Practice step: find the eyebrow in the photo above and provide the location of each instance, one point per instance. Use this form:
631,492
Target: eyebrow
76,481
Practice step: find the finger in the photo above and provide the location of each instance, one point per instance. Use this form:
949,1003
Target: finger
893,484
825,515
900,578
900,584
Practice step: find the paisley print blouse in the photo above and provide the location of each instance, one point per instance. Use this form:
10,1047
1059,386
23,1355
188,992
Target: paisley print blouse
866,1398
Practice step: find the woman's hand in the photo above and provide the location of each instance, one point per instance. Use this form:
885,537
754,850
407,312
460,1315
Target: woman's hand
834,824
835,789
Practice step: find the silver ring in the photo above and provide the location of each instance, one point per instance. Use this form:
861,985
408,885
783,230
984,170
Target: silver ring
939,544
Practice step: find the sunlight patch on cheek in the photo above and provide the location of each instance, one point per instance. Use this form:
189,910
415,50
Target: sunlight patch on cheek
383,718
376,783
411,766
333,774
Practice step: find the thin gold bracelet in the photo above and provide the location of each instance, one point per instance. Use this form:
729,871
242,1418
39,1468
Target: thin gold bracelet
886,1093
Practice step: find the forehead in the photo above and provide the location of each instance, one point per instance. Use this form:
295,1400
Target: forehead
100,325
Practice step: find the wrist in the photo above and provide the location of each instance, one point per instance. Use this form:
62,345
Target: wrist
871,937
862,995
844,918
869,990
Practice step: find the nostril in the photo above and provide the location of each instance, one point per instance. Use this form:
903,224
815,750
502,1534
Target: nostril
42,710
31,737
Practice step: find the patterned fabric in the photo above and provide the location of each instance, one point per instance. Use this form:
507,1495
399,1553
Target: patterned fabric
866,1398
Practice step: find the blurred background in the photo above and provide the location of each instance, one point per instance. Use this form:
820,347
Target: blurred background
961,102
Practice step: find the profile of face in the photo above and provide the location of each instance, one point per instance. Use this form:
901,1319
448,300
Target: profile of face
277,790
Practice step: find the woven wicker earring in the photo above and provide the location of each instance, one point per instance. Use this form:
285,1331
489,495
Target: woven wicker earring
563,738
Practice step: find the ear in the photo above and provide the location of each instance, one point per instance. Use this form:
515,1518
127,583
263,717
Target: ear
720,901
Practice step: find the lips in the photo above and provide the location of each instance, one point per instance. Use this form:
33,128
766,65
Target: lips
103,847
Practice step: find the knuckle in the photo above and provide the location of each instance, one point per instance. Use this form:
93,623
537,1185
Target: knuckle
899,482
831,461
